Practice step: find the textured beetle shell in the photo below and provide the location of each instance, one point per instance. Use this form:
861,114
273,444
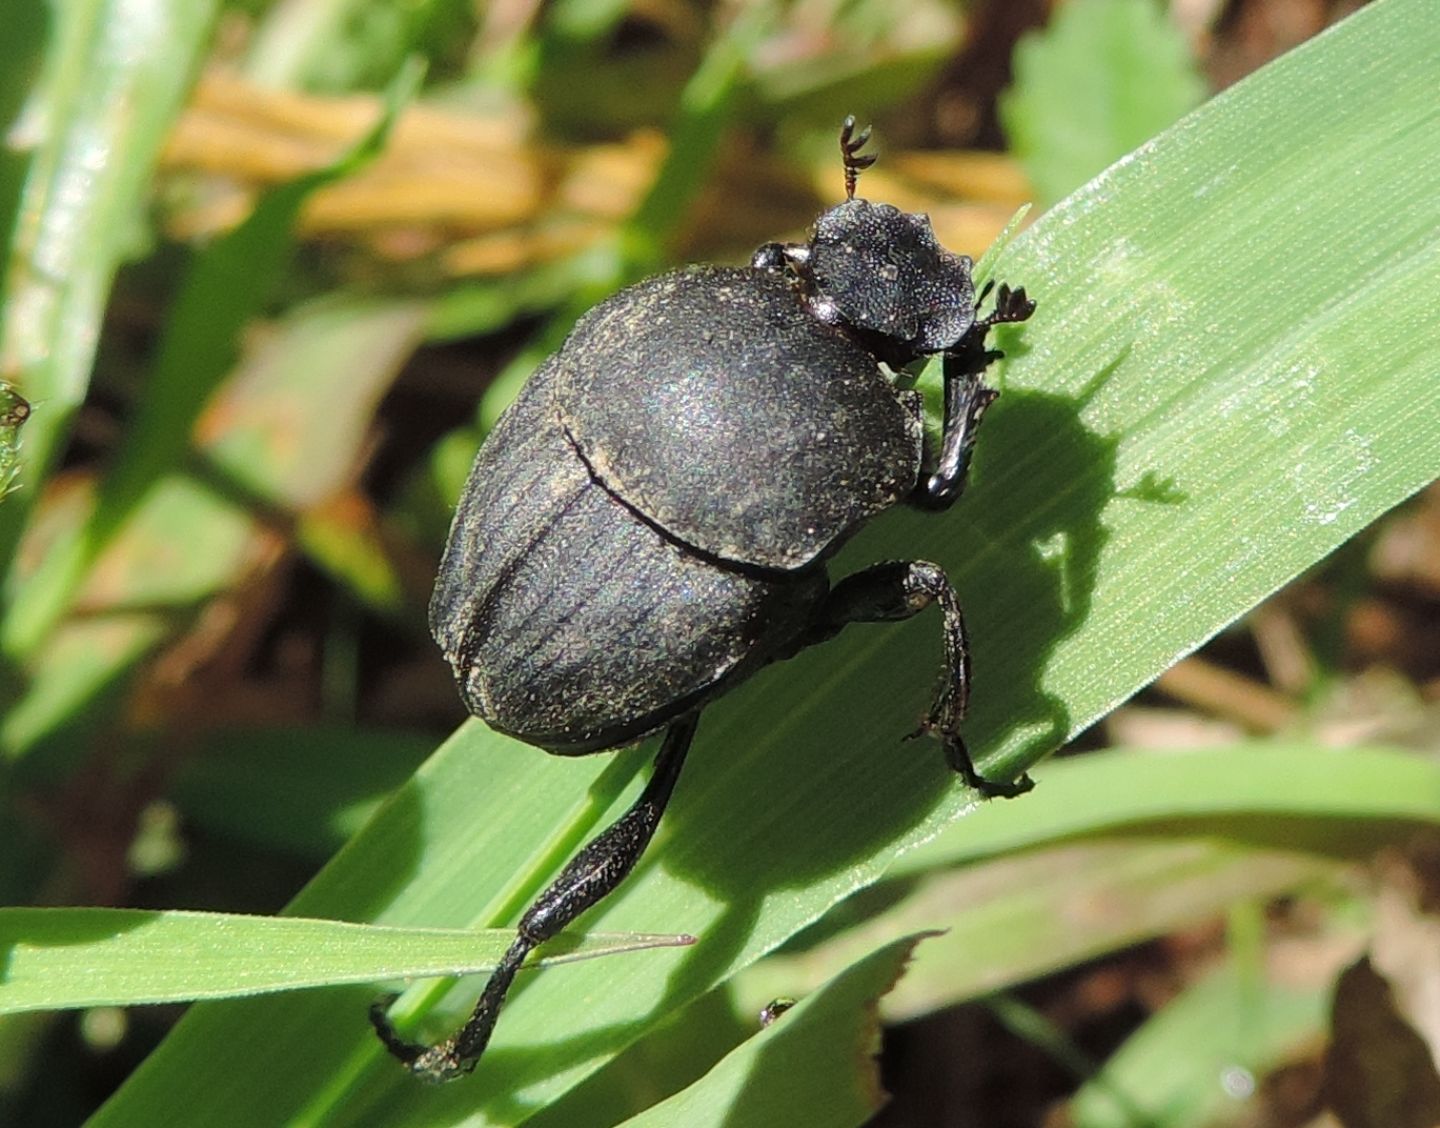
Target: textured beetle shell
884,271
717,406
573,624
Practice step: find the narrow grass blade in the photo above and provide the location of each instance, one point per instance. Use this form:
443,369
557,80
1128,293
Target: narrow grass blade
1000,916
814,1065
60,958
1133,787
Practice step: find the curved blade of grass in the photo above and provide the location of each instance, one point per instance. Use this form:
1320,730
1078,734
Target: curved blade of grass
1122,845
52,959
1000,916
1178,437
1129,787
814,1065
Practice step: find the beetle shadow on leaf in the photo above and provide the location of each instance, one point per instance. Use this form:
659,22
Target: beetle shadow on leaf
1028,585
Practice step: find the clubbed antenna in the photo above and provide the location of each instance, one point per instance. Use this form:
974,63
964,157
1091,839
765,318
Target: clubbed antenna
850,146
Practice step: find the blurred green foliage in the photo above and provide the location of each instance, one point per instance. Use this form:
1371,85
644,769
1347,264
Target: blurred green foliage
1102,79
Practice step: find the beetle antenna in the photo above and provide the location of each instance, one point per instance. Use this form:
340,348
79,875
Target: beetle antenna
850,146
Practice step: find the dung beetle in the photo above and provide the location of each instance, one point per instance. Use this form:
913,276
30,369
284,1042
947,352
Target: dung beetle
649,522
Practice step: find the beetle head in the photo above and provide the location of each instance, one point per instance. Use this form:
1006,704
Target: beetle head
878,271
881,271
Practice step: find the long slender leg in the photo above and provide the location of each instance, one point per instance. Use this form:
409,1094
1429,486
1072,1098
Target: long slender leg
591,875
899,589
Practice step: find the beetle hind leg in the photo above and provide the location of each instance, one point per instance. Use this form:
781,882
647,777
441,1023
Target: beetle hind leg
897,590
590,876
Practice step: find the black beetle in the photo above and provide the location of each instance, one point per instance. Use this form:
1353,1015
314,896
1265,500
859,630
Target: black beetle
648,523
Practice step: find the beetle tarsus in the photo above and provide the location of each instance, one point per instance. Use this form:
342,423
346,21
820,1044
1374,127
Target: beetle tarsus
1010,306
456,1056
958,757
398,1046
590,876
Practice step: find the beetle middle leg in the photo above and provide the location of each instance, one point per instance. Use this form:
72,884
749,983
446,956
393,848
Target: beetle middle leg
591,875
897,590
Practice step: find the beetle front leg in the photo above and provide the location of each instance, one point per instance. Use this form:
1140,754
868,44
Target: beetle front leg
591,876
897,590
966,398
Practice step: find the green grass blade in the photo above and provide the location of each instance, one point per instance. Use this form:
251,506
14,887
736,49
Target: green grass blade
1000,916
506,845
1180,434
84,957
1188,428
114,78
813,1066
1125,787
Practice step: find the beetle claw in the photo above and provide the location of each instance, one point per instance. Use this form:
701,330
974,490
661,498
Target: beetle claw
1010,305
404,1049
958,757
436,1063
